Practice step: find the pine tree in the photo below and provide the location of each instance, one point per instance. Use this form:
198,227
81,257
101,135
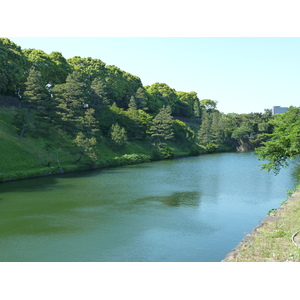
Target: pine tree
217,130
86,139
204,134
196,109
99,93
36,94
88,123
118,136
87,146
162,126
71,98
141,99
133,113
132,104
37,98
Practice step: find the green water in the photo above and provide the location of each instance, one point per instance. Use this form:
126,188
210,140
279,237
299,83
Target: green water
191,209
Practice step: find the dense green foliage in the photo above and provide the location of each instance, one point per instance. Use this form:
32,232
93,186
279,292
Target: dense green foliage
284,142
80,109
12,67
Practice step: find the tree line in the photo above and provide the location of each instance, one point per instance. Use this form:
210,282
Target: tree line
85,102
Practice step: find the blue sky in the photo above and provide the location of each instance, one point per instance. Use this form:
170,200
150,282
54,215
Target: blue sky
244,74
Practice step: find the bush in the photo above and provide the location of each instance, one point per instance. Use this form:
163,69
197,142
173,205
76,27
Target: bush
157,155
195,150
126,159
211,147
131,159
167,152
164,152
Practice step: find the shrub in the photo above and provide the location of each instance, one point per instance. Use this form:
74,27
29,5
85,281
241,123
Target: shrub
195,150
167,152
157,155
211,147
126,159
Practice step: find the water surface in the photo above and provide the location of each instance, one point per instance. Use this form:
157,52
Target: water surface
191,209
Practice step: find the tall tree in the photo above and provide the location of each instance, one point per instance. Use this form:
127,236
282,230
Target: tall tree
37,98
61,70
99,95
86,139
205,133
36,94
208,104
197,111
12,67
41,61
87,146
217,128
132,106
162,126
71,100
88,67
163,95
139,121
141,99
118,136
121,85
189,104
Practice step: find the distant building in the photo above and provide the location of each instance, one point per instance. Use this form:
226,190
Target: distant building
279,110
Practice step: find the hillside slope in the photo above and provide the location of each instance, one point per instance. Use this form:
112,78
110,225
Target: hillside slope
42,156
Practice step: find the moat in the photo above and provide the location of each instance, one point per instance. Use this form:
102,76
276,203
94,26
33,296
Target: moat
189,209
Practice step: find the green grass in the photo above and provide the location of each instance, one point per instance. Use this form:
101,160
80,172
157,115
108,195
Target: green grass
30,153
33,156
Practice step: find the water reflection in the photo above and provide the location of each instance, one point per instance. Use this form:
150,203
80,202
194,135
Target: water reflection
175,199
32,185
181,199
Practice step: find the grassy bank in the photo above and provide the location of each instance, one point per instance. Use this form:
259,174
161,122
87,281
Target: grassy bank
272,241
33,156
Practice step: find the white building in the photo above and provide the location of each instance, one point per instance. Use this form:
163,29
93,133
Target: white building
279,110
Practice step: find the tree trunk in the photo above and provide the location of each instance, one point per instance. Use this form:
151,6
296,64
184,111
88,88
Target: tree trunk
25,126
58,161
23,131
78,160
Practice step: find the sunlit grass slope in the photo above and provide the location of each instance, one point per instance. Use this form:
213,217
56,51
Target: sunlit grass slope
27,155
34,157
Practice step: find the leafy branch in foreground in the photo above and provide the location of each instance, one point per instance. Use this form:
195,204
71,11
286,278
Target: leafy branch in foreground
284,143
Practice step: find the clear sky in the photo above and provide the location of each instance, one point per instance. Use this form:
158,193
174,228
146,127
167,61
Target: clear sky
243,54
244,74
